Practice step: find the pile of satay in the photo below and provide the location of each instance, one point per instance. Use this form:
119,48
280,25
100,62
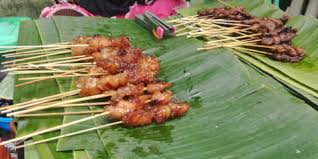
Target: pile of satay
121,77
233,27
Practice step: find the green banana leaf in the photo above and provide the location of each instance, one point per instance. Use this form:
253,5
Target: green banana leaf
233,113
29,35
236,112
6,87
302,76
31,152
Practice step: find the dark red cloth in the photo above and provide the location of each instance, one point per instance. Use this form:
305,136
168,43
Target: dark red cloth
4,153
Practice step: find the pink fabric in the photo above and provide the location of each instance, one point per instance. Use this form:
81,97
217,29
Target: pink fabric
161,8
49,11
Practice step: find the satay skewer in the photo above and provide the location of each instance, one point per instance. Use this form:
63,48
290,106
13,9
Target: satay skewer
60,76
34,52
36,57
69,134
41,46
40,72
35,106
39,80
44,61
59,127
29,66
39,101
75,104
58,114
237,38
83,104
237,48
61,103
45,99
21,49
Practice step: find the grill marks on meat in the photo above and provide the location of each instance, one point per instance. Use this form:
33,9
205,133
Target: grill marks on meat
96,43
144,70
158,114
237,13
138,99
88,86
273,31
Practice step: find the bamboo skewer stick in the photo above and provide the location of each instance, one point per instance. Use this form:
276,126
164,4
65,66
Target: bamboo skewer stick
21,49
237,38
83,104
40,72
60,103
41,46
59,114
71,105
60,76
182,18
17,69
242,43
41,101
75,104
74,60
13,50
46,99
19,104
65,62
36,57
85,64
252,50
53,128
34,52
39,80
46,61
70,134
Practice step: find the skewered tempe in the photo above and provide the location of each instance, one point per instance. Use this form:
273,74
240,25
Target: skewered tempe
272,31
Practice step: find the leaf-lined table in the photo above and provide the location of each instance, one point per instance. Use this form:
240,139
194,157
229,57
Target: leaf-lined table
236,112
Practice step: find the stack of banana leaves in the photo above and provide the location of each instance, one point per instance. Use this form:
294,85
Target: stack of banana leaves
242,106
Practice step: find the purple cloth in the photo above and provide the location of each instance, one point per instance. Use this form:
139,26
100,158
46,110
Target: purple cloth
161,8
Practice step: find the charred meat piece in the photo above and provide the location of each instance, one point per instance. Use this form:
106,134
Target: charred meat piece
158,86
128,90
144,70
117,60
111,82
137,118
162,97
161,113
88,86
97,70
172,110
121,108
98,42
76,51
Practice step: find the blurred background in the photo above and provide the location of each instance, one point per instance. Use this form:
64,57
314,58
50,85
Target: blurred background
32,8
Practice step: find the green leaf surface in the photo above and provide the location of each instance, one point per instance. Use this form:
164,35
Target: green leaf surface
302,75
7,87
236,112
31,151
29,35
80,155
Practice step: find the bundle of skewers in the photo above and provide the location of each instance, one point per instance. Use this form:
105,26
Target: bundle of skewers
122,78
77,59
233,27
